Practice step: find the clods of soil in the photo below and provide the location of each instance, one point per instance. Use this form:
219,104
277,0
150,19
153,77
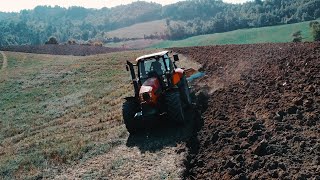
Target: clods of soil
263,115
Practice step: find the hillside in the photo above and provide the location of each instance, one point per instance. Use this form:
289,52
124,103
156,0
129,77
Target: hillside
139,36
140,30
75,22
275,34
183,19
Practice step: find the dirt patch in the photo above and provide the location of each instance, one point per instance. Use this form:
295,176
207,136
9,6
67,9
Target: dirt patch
76,50
263,116
134,44
5,61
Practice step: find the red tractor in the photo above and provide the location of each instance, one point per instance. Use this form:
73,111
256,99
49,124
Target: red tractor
161,89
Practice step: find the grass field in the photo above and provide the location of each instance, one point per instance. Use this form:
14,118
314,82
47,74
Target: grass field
58,110
275,34
61,118
139,30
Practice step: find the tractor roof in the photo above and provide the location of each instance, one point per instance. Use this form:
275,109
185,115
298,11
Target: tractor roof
152,55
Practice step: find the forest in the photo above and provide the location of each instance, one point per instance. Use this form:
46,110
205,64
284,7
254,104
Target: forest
184,19
206,16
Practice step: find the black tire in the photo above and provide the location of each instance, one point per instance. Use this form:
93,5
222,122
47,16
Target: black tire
174,107
129,109
185,91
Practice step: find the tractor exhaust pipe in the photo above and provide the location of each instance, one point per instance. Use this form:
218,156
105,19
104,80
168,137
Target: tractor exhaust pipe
134,79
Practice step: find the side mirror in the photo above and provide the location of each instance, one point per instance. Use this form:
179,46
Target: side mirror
127,67
175,57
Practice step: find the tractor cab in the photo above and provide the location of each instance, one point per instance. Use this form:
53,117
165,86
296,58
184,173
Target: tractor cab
157,65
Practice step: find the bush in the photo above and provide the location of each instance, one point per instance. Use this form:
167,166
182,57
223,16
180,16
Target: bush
97,43
315,30
297,37
72,42
52,40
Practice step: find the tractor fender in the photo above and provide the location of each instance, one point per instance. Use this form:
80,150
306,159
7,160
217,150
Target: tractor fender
177,76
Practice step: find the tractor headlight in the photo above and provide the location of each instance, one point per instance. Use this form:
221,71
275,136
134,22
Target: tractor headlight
147,95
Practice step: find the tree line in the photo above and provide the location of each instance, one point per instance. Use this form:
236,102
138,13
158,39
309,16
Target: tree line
214,16
184,19
38,25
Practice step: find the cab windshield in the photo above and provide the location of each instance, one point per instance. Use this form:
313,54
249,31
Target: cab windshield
154,65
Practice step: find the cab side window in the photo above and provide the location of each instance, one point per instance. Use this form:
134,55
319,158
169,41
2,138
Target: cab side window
168,63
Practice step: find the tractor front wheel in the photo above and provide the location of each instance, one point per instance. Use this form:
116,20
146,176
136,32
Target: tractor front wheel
174,107
129,109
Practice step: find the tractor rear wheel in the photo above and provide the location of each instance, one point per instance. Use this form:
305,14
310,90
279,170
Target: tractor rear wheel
174,107
185,92
129,109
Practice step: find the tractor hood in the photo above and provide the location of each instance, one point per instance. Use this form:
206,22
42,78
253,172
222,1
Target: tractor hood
150,91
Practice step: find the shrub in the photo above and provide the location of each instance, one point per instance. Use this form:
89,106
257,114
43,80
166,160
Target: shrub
52,40
72,42
98,43
315,30
297,37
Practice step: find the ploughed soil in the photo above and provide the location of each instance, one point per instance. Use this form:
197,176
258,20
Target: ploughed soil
75,50
263,115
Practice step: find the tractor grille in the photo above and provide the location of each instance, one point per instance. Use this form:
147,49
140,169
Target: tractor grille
146,96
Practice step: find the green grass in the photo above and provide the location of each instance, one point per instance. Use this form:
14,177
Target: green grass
274,34
59,110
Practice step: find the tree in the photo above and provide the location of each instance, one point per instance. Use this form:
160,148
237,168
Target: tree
85,35
317,13
195,16
258,2
52,40
306,17
72,42
315,30
297,36
168,22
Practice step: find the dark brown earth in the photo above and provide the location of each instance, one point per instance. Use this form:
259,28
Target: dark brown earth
263,115
76,50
